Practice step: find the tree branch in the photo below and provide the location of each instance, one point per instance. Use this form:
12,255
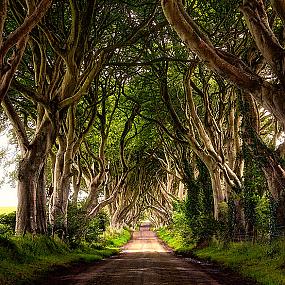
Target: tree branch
257,22
30,22
17,124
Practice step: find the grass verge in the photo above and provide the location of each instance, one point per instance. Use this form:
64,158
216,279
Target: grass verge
175,240
24,259
264,263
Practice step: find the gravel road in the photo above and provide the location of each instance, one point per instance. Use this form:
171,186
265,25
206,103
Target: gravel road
145,260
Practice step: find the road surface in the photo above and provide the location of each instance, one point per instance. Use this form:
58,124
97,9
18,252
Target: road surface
145,260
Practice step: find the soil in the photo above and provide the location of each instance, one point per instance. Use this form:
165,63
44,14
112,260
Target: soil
145,260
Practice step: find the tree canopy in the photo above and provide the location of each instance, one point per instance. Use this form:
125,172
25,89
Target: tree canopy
134,107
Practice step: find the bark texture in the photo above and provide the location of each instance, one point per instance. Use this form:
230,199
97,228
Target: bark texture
31,210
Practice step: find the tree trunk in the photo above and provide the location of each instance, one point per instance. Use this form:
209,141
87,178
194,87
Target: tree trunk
269,160
76,188
181,190
219,194
31,211
27,191
42,203
275,177
61,184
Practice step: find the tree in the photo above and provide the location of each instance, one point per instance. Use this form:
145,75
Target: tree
269,93
12,45
65,62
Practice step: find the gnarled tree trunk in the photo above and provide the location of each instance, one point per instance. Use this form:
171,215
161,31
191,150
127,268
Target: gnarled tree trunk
31,210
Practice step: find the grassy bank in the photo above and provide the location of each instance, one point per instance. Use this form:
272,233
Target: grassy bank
175,240
7,210
23,259
264,263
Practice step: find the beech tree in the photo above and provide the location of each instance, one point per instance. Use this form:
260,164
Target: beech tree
65,62
13,43
268,92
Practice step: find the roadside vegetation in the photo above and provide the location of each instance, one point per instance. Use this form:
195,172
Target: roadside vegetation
24,259
264,263
261,260
245,236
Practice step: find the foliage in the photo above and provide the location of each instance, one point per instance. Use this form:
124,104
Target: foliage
116,237
178,235
97,227
198,204
258,204
80,229
180,223
175,240
7,223
265,221
192,220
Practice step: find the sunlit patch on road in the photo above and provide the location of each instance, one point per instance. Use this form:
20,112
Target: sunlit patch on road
141,250
144,241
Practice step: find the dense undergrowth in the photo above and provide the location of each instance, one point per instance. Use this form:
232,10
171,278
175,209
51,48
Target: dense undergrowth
24,259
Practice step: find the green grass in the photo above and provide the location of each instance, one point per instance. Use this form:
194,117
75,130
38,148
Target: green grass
175,240
7,210
24,259
117,238
264,263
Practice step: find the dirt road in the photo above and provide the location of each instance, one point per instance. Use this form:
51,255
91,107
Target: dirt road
145,260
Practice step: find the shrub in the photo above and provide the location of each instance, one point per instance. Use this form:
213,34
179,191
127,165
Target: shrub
96,227
181,226
7,223
116,237
80,229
